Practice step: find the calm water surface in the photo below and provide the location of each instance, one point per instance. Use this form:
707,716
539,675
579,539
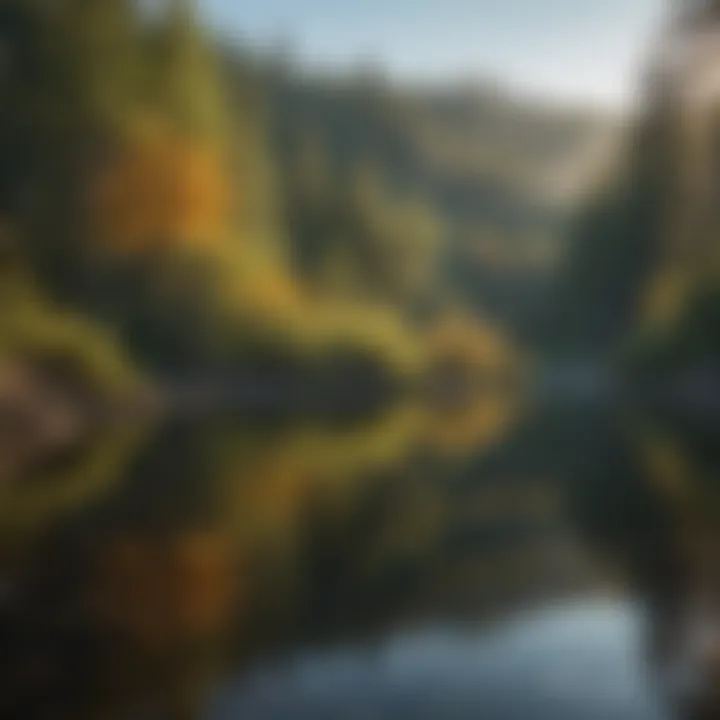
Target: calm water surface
499,561
569,662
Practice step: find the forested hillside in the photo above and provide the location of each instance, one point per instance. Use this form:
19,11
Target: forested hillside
207,212
501,175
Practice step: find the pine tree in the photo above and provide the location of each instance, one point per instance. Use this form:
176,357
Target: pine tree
184,78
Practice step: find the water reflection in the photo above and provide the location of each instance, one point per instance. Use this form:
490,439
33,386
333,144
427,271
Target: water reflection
569,662
148,573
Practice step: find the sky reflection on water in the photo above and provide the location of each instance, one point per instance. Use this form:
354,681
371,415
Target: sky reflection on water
576,661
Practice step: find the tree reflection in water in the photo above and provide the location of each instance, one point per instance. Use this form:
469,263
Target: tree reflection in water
193,554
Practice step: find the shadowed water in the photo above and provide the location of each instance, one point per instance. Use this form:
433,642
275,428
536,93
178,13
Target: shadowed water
501,560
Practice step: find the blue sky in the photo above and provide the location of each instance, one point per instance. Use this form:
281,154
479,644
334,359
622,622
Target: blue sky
574,50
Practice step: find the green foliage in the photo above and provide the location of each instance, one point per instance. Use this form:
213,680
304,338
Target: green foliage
691,342
34,331
613,246
356,237
160,192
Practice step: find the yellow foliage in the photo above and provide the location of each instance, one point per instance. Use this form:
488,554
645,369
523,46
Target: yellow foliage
478,424
270,292
31,327
665,298
283,480
466,341
28,508
161,190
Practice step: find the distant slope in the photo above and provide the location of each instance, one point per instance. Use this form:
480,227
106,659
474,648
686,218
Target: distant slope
503,172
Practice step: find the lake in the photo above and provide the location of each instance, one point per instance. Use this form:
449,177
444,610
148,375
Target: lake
574,661
500,559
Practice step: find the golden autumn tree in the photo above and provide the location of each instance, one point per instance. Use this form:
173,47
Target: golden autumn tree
161,191
187,189
165,185
146,194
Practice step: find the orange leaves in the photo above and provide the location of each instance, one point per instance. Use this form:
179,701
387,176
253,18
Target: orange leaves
162,593
161,191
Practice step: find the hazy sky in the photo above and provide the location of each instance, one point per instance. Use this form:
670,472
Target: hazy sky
573,49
